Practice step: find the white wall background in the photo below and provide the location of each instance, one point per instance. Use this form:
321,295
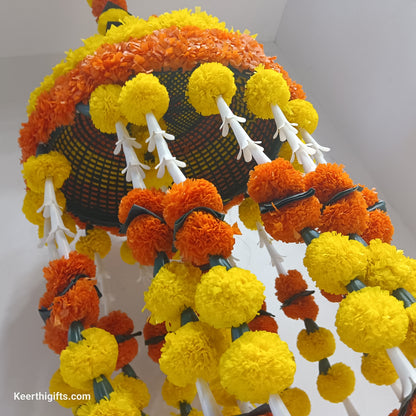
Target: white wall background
356,62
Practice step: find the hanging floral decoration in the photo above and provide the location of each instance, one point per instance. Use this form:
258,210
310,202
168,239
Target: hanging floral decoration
208,327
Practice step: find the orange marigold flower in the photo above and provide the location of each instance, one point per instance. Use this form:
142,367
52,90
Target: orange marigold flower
191,193
147,236
152,333
151,199
116,323
370,195
275,180
60,272
202,236
331,297
288,286
80,303
285,223
328,180
119,323
379,226
347,216
55,338
263,323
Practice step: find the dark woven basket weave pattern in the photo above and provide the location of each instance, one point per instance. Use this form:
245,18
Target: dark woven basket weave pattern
96,185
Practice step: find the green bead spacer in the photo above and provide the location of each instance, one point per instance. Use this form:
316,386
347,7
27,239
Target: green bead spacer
219,261
355,285
308,234
185,408
356,237
188,315
102,388
75,332
405,296
128,371
310,325
160,260
324,366
236,332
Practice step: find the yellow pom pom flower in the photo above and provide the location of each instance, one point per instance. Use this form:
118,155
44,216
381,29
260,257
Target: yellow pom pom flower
333,261
231,410
337,384
189,354
119,404
264,89
51,165
315,346
126,254
378,369
387,266
172,291
104,107
208,82
58,385
110,15
173,395
134,387
34,200
221,396
142,95
93,356
249,213
256,365
409,344
303,114
296,401
95,241
370,319
226,298
410,284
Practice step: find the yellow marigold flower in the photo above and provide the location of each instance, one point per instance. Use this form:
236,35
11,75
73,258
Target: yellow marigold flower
409,344
51,165
226,298
296,401
337,384
410,284
222,397
96,240
315,346
134,387
105,108
265,88
142,95
208,82
172,291
93,356
370,319
58,385
249,213
231,410
333,261
303,114
118,404
34,200
378,369
173,395
387,266
189,354
110,15
256,365
126,254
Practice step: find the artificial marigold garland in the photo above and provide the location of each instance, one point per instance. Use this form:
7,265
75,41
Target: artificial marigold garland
113,63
